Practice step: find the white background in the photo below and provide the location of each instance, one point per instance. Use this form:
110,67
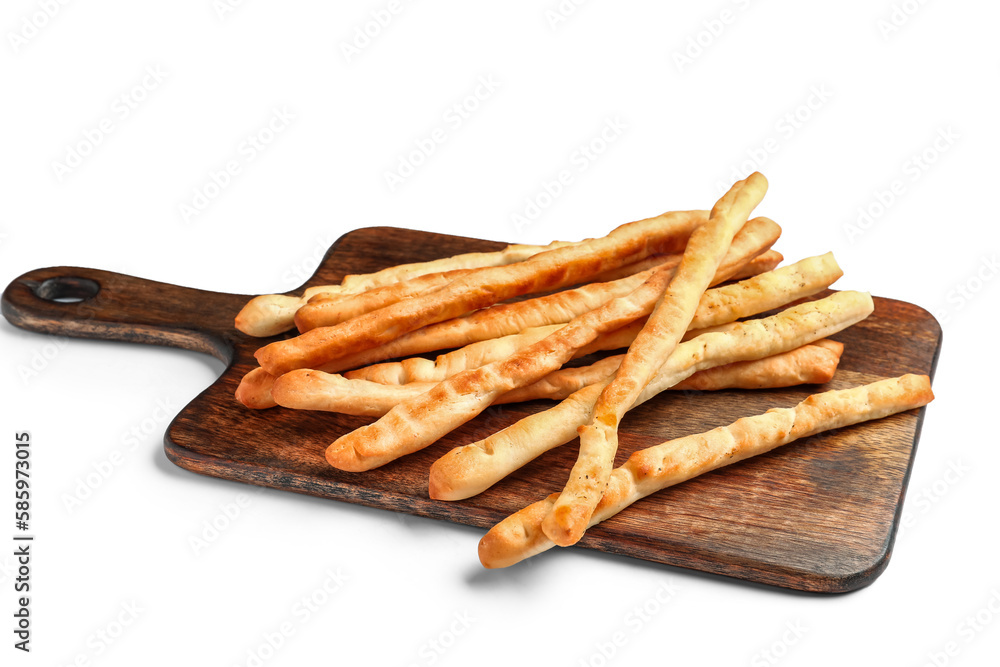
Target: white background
880,94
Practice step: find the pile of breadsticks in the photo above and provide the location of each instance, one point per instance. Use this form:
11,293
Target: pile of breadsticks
680,294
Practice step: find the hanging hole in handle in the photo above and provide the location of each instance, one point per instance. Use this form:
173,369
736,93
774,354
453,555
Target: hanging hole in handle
67,289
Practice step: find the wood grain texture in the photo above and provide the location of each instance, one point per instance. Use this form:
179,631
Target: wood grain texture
817,515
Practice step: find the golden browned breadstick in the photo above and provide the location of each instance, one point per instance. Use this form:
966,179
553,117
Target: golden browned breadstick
272,314
512,254
506,319
472,468
765,291
414,424
766,261
254,390
305,389
474,355
661,334
327,309
480,288
815,363
718,306
810,364
649,470
324,310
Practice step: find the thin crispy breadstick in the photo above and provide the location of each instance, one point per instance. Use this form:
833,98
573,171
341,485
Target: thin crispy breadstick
815,363
810,364
766,261
254,390
718,306
480,288
324,310
470,469
415,424
763,292
512,254
328,392
661,334
327,309
272,314
652,262
506,319
418,369
649,470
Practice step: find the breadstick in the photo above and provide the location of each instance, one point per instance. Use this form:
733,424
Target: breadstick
814,363
254,390
468,470
512,254
327,309
718,305
415,424
506,319
305,389
418,369
765,291
661,334
272,314
651,262
649,470
766,261
478,289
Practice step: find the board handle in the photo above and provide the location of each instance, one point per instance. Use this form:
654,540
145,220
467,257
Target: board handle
90,303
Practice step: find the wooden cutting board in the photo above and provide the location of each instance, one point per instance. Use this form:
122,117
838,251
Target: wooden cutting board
817,515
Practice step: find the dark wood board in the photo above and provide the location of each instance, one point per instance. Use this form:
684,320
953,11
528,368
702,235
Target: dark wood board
817,515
